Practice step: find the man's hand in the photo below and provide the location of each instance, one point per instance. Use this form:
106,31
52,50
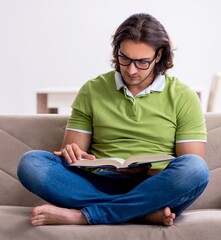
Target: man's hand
72,153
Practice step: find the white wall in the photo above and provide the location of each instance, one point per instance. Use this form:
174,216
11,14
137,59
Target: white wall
63,43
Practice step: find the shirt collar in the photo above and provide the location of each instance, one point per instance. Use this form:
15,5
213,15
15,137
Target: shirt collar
156,86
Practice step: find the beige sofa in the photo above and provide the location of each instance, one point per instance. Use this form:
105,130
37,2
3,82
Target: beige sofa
19,134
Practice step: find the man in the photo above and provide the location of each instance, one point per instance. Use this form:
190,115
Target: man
135,110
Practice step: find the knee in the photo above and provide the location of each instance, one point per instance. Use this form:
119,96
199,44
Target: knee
25,160
194,168
25,164
29,162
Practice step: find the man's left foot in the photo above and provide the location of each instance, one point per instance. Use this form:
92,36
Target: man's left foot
162,217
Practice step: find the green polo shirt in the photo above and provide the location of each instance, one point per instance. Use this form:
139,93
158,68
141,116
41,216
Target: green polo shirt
167,112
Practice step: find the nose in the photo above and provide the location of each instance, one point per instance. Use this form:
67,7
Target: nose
132,68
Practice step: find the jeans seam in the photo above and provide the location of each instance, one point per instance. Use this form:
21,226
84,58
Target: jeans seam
87,215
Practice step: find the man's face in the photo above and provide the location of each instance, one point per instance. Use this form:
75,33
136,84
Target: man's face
141,59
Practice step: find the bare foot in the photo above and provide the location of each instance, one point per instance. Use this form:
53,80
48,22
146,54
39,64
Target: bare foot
50,214
162,217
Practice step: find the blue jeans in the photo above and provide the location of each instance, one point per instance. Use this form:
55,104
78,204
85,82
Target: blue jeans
108,197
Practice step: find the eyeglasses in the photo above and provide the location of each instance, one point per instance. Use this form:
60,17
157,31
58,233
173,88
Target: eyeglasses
142,64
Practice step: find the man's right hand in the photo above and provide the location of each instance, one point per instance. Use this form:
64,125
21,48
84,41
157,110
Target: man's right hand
72,153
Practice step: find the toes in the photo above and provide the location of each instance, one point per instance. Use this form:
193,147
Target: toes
167,211
38,221
36,211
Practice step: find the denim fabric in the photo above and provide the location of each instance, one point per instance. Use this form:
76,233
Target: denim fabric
108,197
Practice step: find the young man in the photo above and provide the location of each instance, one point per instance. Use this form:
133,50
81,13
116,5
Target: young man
135,110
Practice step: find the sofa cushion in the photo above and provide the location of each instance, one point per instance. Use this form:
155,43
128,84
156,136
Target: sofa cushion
194,225
18,134
211,197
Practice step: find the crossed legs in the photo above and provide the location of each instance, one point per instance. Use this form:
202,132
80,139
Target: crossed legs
79,199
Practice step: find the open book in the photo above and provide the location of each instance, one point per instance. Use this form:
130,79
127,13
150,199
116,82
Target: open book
121,163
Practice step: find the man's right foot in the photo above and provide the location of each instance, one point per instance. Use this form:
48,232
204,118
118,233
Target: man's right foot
50,214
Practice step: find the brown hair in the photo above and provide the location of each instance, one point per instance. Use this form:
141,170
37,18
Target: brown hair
146,29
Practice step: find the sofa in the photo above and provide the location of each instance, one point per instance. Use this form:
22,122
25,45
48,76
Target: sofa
20,133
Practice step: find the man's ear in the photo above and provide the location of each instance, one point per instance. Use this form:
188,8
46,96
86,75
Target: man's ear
159,55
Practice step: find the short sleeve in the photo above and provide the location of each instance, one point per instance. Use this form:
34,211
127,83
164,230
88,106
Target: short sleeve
190,118
81,116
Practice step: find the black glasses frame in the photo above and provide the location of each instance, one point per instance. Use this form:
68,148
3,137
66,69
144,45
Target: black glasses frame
134,61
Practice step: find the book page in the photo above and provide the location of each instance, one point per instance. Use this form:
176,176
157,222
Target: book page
148,159
117,162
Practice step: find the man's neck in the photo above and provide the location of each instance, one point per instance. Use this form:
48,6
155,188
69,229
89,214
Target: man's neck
136,89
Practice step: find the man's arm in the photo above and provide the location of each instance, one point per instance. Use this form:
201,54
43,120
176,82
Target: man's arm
75,146
197,148
83,140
